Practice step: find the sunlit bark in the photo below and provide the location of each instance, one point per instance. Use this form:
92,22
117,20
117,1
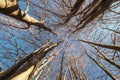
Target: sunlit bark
11,8
28,64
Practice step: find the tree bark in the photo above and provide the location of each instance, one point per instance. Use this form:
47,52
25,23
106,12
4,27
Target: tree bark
11,8
26,65
117,48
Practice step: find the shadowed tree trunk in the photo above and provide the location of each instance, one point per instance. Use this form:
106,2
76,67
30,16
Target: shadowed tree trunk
97,8
74,9
27,65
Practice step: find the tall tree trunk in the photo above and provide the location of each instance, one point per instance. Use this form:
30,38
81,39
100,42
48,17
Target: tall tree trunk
11,8
23,69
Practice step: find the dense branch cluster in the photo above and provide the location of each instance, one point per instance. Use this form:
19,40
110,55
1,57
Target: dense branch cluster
90,12
89,53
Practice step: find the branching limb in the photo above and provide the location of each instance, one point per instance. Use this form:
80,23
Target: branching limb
74,9
108,60
12,9
103,68
102,45
27,6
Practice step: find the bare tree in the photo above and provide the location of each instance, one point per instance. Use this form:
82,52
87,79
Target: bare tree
87,30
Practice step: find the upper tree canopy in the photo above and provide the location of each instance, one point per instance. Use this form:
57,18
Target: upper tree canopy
88,31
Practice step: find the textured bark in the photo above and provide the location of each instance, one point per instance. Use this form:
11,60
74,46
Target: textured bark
11,8
26,65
